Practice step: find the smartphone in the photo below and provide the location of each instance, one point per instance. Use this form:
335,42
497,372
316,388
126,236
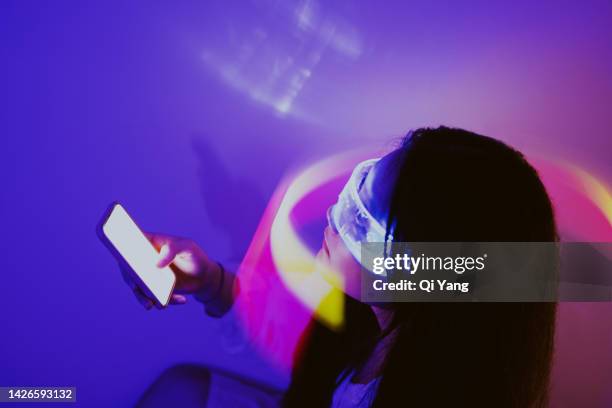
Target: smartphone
129,245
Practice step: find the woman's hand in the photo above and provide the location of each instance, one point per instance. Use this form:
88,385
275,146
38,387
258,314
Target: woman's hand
194,271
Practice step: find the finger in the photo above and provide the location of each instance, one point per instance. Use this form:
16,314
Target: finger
167,253
143,299
178,300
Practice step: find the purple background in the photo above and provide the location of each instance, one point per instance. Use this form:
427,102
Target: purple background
190,114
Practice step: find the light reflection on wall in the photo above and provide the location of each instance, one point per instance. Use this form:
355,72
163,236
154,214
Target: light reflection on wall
273,56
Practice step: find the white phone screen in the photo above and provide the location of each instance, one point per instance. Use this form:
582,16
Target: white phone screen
139,253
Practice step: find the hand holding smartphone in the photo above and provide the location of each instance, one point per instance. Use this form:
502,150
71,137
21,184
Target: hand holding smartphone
130,246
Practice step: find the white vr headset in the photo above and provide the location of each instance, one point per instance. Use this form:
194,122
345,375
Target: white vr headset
350,216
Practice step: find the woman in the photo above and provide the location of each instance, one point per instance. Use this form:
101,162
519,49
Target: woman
446,185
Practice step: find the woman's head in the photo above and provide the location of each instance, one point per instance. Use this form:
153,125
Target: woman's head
446,185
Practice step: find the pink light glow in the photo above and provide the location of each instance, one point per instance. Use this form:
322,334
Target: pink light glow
276,304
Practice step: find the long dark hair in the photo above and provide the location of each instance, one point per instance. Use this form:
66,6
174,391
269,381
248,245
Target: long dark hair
452,185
